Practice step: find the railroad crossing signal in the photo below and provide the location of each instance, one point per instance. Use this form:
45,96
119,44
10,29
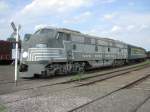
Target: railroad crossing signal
16,32
13,26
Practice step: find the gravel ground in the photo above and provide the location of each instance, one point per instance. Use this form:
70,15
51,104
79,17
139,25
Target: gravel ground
52,100
145,107
7,72
122,101
134,99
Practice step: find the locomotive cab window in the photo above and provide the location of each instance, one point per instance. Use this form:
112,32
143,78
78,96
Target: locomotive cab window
63,36
27,37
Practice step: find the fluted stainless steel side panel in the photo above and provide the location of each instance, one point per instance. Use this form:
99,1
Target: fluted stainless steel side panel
38,54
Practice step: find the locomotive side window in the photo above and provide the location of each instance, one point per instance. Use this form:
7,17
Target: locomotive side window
68,37
93,41
108,49
77,38
102,42
74,47
96,48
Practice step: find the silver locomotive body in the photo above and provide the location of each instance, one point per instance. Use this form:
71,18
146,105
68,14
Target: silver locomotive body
59,51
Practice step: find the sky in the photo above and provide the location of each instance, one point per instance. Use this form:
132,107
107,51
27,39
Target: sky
124,20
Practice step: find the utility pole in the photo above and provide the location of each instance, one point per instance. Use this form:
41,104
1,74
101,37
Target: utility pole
16,32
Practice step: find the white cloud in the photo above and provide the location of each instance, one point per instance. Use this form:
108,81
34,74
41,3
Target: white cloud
133,18
110,16
130,27
57,7
143,26
105,1
107,16
93,31
129,22
3,6
40,6
38,11
43,26
80,18
116,29
109,1
131,3
2,20
40,26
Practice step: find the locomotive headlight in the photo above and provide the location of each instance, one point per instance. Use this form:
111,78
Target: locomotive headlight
25,54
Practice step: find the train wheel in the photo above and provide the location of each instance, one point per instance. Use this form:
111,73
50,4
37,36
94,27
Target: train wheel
81,68
114,64
36,76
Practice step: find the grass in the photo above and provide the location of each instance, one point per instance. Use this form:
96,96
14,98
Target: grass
3,108
77,77
142,65
80,76
146,62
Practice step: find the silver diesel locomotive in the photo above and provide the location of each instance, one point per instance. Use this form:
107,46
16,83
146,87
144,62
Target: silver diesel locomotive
51,51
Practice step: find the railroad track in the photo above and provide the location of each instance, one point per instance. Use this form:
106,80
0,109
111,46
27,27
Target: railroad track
91,81
141,104
104,77
124,87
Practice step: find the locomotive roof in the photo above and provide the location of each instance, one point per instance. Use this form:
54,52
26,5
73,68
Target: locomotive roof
82,34
75,32
133,46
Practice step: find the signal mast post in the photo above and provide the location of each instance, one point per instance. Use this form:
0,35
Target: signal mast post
16,32
16,56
